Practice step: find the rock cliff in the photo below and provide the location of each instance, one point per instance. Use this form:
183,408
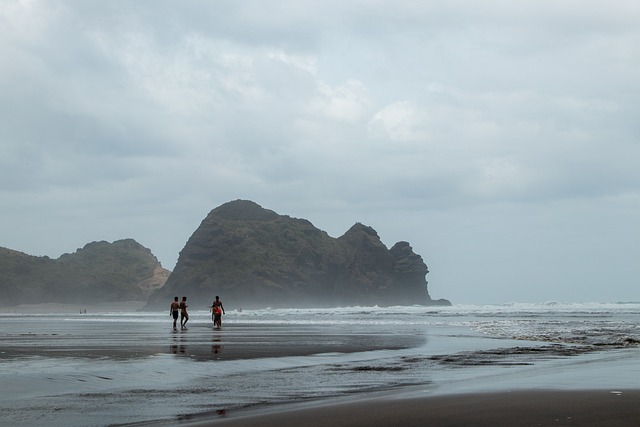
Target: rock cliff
253,258
99,272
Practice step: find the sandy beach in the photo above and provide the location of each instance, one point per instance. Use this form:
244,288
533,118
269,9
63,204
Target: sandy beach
338,367
608,408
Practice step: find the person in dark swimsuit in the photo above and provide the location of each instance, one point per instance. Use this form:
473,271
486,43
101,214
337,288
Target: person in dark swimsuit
174,310
184,316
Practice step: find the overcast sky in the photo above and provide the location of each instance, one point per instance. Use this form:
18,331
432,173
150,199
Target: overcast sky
500,138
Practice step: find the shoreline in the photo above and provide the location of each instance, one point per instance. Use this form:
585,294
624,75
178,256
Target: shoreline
535,407
64,308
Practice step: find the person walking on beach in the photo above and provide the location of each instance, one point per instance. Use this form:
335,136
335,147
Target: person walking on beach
217,310
173,311
184,316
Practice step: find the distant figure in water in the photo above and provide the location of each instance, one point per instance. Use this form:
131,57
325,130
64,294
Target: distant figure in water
184,316
173,311
217,310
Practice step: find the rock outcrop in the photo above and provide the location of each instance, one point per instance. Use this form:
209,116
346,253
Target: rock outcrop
254,258
100,272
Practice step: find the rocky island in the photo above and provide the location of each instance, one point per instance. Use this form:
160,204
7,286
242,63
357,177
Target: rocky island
255,258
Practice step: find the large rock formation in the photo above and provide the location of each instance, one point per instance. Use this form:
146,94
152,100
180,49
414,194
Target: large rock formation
98,273
253,257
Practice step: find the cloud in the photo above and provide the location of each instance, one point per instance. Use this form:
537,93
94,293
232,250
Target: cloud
308,64
401,121
348,102
446,124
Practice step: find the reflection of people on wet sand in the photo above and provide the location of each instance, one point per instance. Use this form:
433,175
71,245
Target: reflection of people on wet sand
216,346
175,348
217,310
173,311
184,316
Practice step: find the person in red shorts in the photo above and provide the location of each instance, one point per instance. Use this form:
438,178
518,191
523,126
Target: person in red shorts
217,310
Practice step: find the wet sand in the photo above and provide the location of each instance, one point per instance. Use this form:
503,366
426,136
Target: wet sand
94,340
608,408
133,369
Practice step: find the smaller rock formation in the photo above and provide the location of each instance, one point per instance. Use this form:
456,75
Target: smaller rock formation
100,272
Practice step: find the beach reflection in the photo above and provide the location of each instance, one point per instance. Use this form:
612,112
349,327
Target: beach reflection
216,345
251,341
178,346
196,345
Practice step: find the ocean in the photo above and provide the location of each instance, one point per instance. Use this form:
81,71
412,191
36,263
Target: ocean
105,368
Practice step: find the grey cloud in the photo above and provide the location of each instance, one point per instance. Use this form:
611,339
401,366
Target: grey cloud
446,124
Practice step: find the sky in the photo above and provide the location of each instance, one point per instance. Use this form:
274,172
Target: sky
501,139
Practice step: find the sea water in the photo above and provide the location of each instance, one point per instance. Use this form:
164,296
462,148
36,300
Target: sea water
110,368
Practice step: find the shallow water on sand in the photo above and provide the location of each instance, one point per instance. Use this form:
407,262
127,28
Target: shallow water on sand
122,368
